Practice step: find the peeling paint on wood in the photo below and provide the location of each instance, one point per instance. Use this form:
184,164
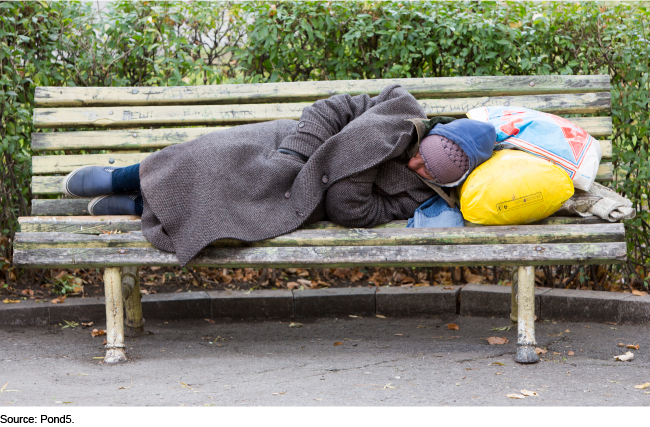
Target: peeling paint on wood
440,87
335,256
199,115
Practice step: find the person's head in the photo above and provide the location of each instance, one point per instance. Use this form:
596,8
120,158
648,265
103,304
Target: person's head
440,160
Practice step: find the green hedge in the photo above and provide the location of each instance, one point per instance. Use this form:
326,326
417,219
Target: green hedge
177,43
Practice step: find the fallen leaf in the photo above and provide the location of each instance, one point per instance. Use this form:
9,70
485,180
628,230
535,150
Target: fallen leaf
59,300
98,332
86,324
293,285
4,387
498,363
449,287
318,399
352,315
474,278
277,394
209,320
639,293
338,343
633,346
567,330
104,342
642,386
497,340
625,357
540,351
295,325
515,396
452,326
387,386
304,282
380,316
528,393
571,353
27,292
10,301
504,328
126,388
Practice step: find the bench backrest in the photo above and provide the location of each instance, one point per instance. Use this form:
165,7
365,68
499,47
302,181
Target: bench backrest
120,126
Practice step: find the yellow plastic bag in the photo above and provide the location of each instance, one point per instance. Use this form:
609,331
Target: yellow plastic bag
514,187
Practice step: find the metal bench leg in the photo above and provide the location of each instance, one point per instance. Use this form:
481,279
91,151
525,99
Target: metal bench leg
526,316
114,316
131,296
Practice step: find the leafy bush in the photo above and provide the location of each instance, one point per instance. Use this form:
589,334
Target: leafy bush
178,43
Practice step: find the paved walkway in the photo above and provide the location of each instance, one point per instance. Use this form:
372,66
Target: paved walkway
415,361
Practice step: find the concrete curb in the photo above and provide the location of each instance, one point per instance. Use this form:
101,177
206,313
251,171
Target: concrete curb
470,300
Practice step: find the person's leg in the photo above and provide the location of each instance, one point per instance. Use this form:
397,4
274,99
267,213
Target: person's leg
126,180
93,181
116,204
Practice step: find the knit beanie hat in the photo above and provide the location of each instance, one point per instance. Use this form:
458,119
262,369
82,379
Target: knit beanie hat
443,158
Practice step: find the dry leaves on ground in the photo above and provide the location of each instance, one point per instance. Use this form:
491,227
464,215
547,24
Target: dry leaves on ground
85,325
515,396
293,285
571,353
497,340
209,320
295,325
452,326
380,316
474,278
642,386
59,300
632,346
10,301
528,393
540,351
625,357
639,293
338,343
98,332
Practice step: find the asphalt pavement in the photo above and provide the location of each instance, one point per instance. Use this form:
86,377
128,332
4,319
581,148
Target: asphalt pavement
344,361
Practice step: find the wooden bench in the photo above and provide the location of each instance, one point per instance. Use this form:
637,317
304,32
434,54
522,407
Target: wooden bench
121,126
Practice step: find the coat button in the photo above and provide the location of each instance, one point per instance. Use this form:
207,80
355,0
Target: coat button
301,124
325,179
287,194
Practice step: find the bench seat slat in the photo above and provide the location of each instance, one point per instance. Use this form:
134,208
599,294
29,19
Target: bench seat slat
145,139
52,184
123,224
335,256
522,234
313,90
200,115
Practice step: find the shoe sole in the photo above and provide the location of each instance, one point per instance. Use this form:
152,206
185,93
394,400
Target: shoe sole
94,202
64,185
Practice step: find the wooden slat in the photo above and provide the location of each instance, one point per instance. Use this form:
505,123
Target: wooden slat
52,184
146,139
445,87
522,234
124,223
117,139
59,207
333,256
199,115
596,126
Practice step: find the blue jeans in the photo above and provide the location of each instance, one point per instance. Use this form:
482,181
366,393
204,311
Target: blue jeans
434,213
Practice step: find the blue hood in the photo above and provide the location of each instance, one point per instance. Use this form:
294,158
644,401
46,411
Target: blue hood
476,138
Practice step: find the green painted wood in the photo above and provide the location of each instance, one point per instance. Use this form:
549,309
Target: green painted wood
146,139
334,256
522,234
59,207
117,139
201,115
444,87
93,225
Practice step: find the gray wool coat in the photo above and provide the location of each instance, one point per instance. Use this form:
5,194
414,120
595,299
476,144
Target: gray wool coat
233,183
